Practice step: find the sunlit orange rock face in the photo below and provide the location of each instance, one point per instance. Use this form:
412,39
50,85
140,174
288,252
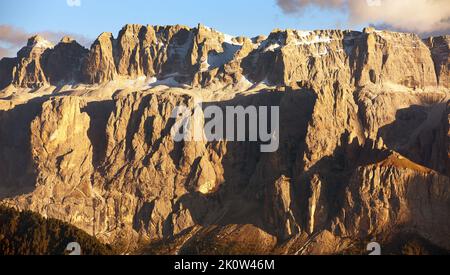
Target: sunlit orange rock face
85,137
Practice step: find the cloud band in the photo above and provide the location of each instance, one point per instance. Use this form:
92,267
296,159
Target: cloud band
420,16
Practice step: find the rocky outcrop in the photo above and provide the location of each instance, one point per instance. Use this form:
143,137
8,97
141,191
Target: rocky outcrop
62,64
62,158
440,48
279,212
216,57
6,71
165,51
230,240
415,127
140,51
128,51
393,57
29,71
40,63
100,66
291,57
445,134
390,195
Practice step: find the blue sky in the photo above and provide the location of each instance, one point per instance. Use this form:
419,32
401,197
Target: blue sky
20,19
236,17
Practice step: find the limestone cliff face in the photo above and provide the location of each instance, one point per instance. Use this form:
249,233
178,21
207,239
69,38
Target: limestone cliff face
99,65
40,63
113,170
29,72
390,195
290,57
202,56
446,129
364,140
440,52
61,155
62,64
60,144
6,71
394,57
413,127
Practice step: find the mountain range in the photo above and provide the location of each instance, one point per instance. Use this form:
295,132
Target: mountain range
364,140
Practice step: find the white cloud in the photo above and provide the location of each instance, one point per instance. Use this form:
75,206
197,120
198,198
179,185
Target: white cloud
421,16
13,38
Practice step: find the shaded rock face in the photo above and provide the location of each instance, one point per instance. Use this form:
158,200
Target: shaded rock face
63,63
40,63
358,159
231,240
113,170
153,51
389,195
202,56
440,52
6,71
414,127
99,65
15,144
446,139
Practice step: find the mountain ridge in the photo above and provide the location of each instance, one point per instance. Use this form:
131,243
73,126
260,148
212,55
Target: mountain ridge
183,52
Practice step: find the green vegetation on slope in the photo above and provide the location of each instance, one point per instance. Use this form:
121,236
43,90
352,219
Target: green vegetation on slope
27,233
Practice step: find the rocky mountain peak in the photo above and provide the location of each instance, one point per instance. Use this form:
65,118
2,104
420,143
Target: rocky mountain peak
104,39
37,41
369,30
67,40
203,56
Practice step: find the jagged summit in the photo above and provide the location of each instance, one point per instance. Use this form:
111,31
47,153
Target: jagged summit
202,56
38,41
67,39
